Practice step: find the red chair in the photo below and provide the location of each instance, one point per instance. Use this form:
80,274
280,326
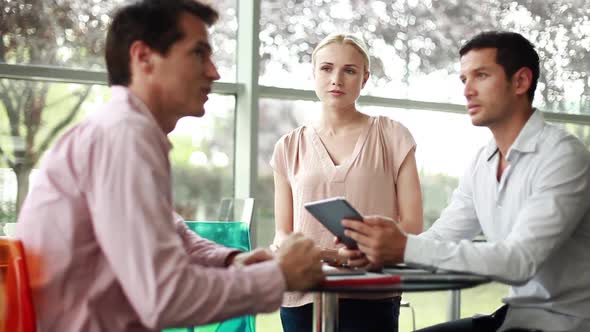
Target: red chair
19,313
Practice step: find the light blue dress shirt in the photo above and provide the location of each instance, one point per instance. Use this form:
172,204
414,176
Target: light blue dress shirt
537,223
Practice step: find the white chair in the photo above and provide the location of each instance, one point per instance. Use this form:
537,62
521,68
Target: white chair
406,304
236,209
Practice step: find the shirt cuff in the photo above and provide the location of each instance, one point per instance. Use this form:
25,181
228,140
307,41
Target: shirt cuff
217,258
419,251
271,285
230,256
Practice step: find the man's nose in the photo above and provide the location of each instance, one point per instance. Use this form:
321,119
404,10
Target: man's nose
211,71
468,89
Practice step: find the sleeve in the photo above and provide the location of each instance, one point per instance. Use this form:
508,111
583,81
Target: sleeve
131,208
552,212
403,143
278,161
201,250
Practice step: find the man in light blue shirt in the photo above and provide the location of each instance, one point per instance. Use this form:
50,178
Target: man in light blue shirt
528,191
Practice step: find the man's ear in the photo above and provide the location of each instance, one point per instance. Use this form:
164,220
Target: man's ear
365,78
522,80
141,57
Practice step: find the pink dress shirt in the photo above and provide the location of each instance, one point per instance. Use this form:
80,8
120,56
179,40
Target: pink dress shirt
104,251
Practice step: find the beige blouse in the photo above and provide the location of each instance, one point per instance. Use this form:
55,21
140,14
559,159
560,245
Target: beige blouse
367,178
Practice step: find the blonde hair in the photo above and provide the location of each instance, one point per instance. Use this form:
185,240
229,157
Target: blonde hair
344,38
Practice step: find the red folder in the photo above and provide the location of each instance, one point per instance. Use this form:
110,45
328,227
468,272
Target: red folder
363,281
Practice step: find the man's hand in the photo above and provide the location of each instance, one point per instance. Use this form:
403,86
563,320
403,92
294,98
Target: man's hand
379,238
252,257
355,258
299,259
331,257
352,257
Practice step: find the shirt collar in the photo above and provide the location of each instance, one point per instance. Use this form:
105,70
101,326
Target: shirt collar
527,139
122,93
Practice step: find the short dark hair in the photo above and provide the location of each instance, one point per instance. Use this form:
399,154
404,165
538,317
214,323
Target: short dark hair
513,53
155,22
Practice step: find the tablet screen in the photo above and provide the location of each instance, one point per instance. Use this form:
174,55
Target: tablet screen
330,212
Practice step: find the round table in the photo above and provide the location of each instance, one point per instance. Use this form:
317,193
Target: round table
410,280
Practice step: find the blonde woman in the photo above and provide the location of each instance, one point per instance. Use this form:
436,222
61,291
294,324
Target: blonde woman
369,160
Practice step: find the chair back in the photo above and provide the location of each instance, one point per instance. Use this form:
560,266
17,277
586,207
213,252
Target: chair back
16,303
233,234
236,209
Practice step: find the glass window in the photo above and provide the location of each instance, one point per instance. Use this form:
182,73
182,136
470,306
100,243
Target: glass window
276,118
72,33
430,308
33,114
582,132
66,33
446,143
223,37
414,44
203,159
483,299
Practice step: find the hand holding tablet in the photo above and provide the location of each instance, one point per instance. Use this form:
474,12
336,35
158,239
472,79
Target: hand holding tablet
330,212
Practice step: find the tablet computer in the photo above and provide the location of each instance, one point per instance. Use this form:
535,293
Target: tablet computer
330,212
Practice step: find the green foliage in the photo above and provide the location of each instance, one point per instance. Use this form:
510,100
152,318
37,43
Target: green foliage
7,214
44,32
436,193
580,131
423,37
413,38
182,151
199,190
265,197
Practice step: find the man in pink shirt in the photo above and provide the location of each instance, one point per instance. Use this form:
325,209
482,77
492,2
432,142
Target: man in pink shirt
104,251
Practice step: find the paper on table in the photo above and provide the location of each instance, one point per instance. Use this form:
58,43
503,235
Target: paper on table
341,271
367,278
443,278
405,271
